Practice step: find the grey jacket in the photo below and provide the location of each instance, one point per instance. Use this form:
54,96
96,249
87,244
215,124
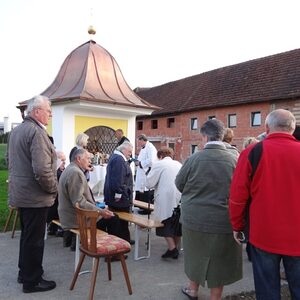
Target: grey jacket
73,188
204,181
32,166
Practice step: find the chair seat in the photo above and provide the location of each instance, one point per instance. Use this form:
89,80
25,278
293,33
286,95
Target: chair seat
111,245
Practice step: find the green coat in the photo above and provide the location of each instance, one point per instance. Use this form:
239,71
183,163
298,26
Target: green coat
204,181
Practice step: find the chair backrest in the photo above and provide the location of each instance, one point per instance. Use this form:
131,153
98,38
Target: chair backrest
87,221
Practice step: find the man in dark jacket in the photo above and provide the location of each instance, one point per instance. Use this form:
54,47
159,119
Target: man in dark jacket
119,134
118,189
32,189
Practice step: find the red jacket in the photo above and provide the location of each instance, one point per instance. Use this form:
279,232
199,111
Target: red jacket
275,193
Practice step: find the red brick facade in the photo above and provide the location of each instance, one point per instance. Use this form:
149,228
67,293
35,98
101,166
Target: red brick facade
183,137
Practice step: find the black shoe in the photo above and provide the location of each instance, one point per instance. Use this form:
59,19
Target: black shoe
42,286
171,254
132,242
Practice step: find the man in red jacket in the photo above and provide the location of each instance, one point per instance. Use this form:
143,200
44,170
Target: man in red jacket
273,195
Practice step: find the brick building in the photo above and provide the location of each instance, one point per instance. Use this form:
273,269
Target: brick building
240,95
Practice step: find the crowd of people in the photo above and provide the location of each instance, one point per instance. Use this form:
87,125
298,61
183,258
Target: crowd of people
224,198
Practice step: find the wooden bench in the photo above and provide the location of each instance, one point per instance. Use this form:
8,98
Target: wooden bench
140,222
76,231
143,205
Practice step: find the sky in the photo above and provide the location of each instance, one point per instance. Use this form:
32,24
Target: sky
154,42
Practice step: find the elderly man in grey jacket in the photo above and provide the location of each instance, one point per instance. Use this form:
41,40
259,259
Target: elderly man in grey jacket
73,188
32,188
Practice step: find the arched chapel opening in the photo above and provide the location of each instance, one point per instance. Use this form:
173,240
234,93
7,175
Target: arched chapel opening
102,139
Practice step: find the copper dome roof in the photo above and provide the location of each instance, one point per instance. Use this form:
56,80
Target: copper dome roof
91,73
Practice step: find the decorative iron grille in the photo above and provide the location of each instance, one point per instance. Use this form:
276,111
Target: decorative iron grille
101,139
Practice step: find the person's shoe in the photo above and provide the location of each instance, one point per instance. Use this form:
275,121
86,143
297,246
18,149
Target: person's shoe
42,286
171,254
132,242
192,294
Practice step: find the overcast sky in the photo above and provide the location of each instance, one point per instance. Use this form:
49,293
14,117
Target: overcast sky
154,42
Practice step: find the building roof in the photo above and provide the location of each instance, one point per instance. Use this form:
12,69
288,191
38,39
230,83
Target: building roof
91,73
274,77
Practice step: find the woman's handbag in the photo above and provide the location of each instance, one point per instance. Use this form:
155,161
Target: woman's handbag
175,221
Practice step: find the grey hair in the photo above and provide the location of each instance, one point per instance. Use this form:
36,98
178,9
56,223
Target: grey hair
82,139
36,102
213,129
123,146
78,153
59,154
281,120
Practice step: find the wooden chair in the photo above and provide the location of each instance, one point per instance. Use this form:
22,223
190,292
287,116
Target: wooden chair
98,246
12,210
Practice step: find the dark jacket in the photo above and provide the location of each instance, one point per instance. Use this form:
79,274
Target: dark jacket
32,166
118,180
122,140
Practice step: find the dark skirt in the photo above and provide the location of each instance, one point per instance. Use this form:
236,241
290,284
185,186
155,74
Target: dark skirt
168,230
212,258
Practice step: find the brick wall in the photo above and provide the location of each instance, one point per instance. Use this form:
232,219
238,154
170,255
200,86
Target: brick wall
183,137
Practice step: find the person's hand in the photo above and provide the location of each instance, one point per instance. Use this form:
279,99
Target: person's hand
137,162
239,236
106,214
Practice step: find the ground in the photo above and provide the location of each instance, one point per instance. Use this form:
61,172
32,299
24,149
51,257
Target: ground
285,295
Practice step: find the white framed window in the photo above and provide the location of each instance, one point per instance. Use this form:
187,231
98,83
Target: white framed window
255,118
231,120
194,148
172,146
194,123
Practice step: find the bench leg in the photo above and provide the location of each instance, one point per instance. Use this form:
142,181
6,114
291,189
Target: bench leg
137,241
77,251
11,210
15,223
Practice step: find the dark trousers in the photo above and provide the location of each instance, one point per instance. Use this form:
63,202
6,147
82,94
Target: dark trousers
147,196
266,271
115,226
33,224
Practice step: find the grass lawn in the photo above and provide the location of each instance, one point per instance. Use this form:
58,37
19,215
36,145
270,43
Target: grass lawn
3,198
2,157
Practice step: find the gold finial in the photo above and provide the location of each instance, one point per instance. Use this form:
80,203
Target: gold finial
91,30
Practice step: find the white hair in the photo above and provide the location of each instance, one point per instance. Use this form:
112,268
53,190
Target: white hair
125,145
281,120
36,102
